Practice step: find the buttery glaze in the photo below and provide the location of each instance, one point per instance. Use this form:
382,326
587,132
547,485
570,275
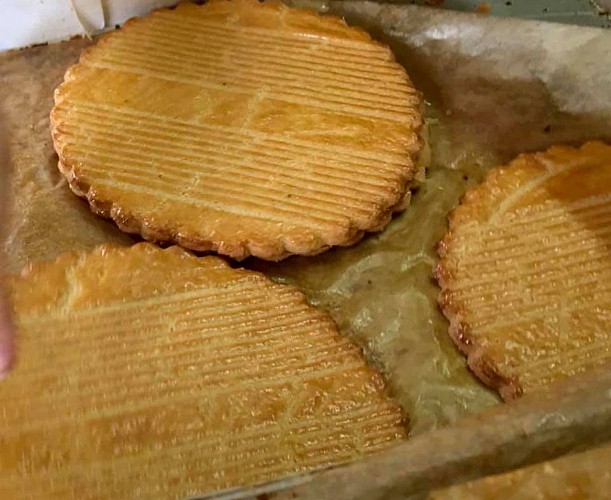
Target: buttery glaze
526,267
240,127
149,373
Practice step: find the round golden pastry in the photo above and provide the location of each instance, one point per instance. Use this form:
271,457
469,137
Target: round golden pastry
242,128
150,373
525,269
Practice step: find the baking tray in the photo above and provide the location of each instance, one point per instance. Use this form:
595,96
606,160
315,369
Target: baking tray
581,12
490,96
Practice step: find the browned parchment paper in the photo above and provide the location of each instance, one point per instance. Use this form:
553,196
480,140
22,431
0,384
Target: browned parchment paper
495,87
46,218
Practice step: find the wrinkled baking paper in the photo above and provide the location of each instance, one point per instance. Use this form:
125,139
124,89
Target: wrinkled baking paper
496,87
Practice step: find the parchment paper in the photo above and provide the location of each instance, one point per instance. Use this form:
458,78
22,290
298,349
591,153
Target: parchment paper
496,88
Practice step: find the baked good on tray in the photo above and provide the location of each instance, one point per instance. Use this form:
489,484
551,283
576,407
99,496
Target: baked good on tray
242,128
153,373
525,269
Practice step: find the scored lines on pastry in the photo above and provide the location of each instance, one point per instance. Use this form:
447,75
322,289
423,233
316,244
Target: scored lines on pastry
525,269
146,372
242,128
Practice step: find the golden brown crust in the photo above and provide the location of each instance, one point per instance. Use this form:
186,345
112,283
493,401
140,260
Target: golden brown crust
306,212
501,351
169,374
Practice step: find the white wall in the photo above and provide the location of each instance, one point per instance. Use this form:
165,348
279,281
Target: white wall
28,22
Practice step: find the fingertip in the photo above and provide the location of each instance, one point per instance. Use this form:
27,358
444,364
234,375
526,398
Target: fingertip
7,355
7,343
6,363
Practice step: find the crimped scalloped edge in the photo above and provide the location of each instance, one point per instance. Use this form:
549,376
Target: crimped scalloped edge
322,316
264,247
461,333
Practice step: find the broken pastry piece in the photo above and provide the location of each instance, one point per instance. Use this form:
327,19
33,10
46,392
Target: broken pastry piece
152,373
525,269
241,127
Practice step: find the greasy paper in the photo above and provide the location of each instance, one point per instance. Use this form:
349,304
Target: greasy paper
495,87
492,95
47,219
